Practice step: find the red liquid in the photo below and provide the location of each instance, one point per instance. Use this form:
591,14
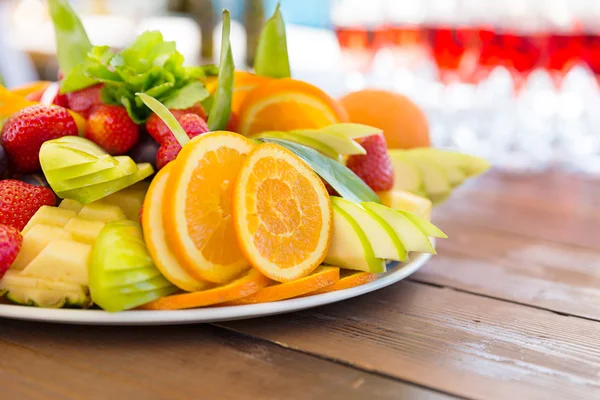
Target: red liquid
357,44
405,36
523,52
447,47
591,52
564,50
354,38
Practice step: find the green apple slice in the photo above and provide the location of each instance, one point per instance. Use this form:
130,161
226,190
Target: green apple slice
456,175
469,164
410,235
76,142
407,176
306,141
339,143
383,239
54,156
122,274
92,193
102,163
435,182
425,226
350,248
125,167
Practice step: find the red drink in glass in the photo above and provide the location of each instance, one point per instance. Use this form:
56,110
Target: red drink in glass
564,51
447,49
357,46
591,52
491,52
523,53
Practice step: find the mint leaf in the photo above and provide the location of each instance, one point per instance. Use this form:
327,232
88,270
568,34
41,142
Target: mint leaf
343,180
187,96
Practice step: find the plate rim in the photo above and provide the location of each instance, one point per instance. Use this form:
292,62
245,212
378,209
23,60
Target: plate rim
208,314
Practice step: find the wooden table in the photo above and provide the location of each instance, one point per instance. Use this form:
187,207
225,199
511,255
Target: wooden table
509,309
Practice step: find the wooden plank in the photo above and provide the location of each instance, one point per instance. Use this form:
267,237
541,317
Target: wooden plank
556,207
558,277
173,362
456,342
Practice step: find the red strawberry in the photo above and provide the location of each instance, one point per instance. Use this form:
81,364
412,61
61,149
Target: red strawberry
232,123
10,244
19,201
375,167
83,100
193,125
157,128
111,128
25,131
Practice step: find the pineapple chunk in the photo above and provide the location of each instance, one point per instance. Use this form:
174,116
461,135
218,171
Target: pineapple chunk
84,230
52,216
399,199
62,260
99,211
35,240
71,205
129,200
30,291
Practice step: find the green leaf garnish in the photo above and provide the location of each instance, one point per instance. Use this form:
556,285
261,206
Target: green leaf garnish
271,57
343,180
305,141
165,115
221,105
149,65
72,42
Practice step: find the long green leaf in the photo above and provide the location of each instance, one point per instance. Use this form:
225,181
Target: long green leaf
271,52
72,42
165,115
344,181
221,106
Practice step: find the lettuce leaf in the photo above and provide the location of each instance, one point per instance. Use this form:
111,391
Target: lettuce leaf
149,65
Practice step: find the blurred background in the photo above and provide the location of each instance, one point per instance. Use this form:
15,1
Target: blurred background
515,81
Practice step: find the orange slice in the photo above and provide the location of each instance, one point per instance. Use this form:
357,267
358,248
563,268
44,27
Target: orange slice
281,214
247,285
198,201
348,279
243,83
155,236
288,104
31,87
321,278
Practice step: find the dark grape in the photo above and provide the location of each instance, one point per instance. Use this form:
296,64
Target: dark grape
145,150
3,162
34,179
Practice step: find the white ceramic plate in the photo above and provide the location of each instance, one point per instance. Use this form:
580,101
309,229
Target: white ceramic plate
98,317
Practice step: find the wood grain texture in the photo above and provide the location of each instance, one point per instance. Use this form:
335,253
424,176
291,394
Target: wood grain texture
557,207
455,342
531,271
44,361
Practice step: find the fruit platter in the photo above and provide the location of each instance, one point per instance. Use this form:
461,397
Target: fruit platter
139,190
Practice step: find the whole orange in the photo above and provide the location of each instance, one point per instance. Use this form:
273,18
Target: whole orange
403,123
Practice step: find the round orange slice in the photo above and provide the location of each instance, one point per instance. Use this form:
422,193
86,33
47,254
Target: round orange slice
321,278
198,202
250,283
281,213
348,279
155,236
243,83
288,104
